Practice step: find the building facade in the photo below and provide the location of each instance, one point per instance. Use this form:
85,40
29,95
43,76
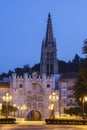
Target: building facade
66,92
33,92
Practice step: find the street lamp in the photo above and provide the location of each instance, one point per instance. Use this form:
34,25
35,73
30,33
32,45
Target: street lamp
53,97
7,98
51,108
84,99
24,107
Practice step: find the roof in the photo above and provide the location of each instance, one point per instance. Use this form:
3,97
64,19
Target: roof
71,75
4,85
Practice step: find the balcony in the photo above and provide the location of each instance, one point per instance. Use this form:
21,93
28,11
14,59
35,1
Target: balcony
71,104
70,96
34,92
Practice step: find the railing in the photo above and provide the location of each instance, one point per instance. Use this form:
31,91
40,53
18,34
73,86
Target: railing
34,92
71,104
7,121
70,88
66,121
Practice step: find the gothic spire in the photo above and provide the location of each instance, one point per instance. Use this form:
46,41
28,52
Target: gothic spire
49,32
48,61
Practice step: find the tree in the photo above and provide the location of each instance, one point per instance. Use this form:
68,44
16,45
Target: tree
81,83
3,75
10,109
77,59
26,69
73,111
36,68
62,66
10,72
19,71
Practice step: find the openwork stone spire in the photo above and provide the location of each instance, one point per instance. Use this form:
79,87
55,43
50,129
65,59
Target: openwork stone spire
48,61
49,32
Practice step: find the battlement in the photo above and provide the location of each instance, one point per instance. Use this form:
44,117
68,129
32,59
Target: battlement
33,76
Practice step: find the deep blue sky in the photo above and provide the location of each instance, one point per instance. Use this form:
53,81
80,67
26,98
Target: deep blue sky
23,26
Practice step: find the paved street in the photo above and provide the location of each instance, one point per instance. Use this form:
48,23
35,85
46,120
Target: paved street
43,127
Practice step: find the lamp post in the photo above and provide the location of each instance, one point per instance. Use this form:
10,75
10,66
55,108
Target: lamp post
18,110
14,105
7,98
0,108
83,101
51,108
24,107
53,97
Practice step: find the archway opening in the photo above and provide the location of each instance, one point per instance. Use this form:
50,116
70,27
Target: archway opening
34,115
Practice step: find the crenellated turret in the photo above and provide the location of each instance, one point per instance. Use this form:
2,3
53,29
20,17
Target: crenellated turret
13,81
25,76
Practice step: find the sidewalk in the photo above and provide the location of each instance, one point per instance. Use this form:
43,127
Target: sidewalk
31,122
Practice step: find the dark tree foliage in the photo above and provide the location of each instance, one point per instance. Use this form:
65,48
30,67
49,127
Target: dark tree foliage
36,68
77,59
73,111
10,72
81,83
64,67
70,66
21,71
10,109
3,75
26,69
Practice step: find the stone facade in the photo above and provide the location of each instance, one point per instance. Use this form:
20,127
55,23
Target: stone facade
33,91
66,92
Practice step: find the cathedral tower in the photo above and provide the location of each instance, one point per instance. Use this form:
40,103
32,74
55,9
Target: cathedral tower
48,61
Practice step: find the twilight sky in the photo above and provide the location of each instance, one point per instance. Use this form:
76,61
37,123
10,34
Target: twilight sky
23,27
